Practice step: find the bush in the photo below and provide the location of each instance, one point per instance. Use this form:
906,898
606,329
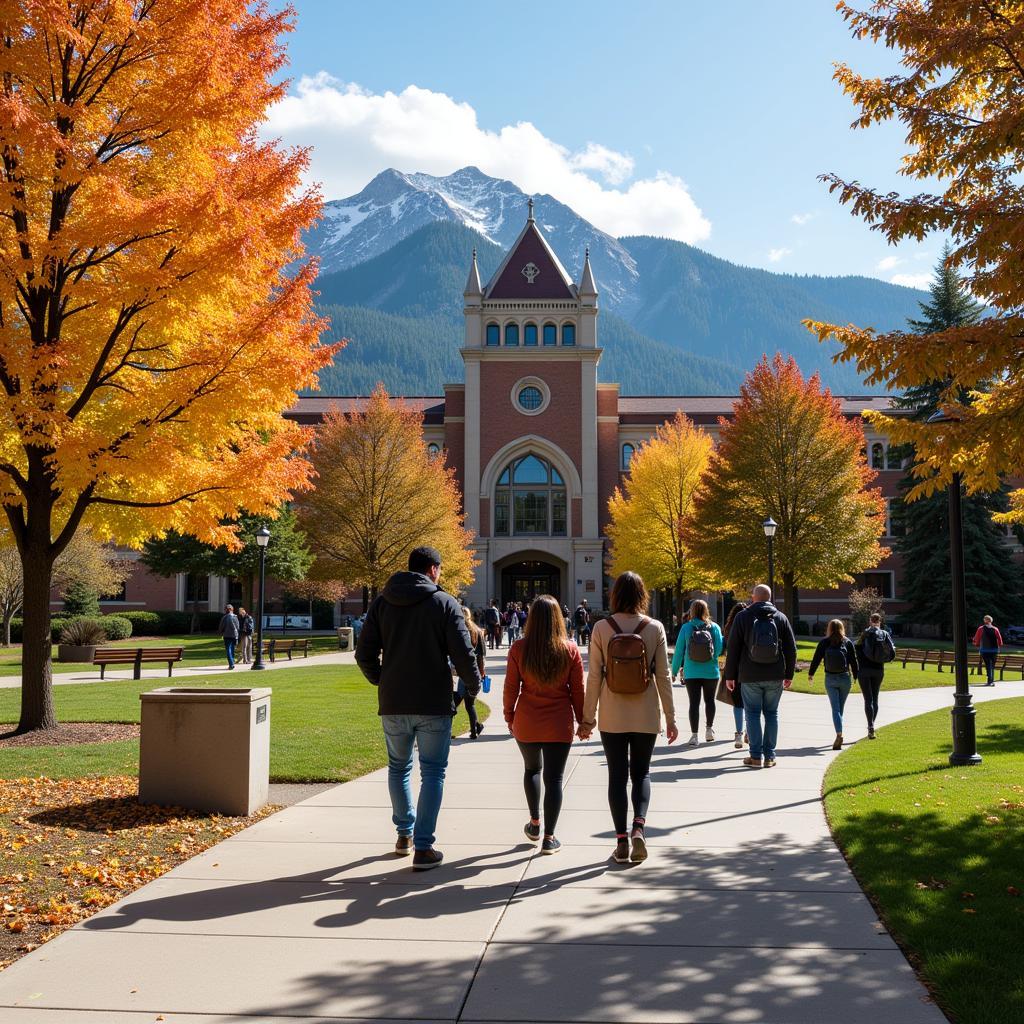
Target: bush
112,627
802,627
117,627
83,633
143,623
81,599
863,604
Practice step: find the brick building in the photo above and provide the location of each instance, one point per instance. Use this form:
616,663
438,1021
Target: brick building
539,444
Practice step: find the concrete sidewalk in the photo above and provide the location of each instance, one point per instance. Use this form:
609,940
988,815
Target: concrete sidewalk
745,912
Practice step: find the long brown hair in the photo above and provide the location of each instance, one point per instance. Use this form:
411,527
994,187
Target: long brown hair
699,610
475,632
836,631
729,619
545,642
629,595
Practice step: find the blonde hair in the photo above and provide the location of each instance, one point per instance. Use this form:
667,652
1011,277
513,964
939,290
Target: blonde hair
836,631
699,610
475,632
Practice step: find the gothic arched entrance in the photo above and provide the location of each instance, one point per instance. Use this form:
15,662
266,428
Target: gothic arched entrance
525,580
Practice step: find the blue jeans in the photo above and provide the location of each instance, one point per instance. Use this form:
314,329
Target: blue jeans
229,647
432,734
737,715
758,699
838,686
989,658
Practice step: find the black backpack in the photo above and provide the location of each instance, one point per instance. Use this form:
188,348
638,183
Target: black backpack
582,616
878,646
989,638
492,616
701,645
764,640
836,659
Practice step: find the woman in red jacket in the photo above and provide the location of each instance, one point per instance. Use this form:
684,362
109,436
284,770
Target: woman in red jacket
543,703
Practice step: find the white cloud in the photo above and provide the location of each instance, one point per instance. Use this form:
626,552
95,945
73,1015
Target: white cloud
774,255
355,134
890,262
800,219
912,280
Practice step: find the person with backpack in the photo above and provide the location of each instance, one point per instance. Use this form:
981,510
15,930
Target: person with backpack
874,651
761,660
246,628
581,621
462,694
839,655
988,640
543,700
698,645
739,738
629,690
492,623
229,630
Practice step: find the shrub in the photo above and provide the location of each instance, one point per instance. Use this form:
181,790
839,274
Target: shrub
81,599
83,633
802,627
863,604
143,623
117,627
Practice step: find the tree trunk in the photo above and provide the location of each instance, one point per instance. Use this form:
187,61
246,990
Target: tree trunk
8,615
37,711
678,595
194,624
789,595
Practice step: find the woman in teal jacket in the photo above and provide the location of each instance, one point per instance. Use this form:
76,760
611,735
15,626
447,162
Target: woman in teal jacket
698,647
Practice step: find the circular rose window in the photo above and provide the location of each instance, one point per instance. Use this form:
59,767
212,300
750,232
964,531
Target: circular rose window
530,398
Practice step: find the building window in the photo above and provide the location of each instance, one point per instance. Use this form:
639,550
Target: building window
568,334
880,581
530,398
530,334
627,456
893,458
550,334
433,449
530,500
894,525
197,588
511,334
493,335
878,455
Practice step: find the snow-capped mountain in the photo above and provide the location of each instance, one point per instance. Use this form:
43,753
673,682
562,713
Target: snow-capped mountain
394,205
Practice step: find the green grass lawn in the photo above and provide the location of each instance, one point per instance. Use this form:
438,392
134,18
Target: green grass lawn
323,726
940,851
200,649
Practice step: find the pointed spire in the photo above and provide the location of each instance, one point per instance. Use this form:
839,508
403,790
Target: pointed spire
587,284
473,289
529,207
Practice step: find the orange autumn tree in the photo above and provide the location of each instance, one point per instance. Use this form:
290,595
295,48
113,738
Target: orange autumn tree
149,337
959,98
788,452
379,494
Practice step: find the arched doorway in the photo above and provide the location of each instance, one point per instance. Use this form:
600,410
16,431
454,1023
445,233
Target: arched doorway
523,581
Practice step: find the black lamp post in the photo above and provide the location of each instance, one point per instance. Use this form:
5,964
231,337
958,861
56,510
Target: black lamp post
770,526
965,745
262,539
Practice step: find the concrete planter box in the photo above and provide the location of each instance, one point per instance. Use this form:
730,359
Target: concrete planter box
72,652
346,638
205,749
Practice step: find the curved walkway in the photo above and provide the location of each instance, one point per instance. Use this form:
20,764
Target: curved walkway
745,913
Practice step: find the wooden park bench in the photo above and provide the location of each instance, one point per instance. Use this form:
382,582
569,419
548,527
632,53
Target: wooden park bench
136,656
1004,663
277,645
922,657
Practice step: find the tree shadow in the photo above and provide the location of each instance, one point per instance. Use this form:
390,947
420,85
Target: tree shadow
112,814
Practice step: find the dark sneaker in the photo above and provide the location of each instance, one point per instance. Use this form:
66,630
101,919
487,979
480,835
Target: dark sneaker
424,860
479,728
639,850
871,732
621,854
532,831
403,847
550,845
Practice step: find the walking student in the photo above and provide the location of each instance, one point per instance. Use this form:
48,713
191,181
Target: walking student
246,628
462,694
581,621
761,660
543,701
492,623
629,689
988,640
839,655
229,629
698,646
417,628
875,650
739,738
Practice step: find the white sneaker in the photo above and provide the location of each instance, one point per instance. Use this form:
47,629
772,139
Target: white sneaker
693,740
709,735
737,741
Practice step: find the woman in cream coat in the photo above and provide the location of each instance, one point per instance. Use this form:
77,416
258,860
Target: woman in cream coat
629,723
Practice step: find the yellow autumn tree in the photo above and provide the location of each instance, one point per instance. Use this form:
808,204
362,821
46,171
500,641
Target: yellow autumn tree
149,335
379,494
960,99
655,502
787,452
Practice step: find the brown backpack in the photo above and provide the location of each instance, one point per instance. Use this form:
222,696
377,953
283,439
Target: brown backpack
627,669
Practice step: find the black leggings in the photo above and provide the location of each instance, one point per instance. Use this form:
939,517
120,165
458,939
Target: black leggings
462,695
629,757
549,758
869,689
695,687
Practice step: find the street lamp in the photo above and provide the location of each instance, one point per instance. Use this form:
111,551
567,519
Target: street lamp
262,539
770,526
965,745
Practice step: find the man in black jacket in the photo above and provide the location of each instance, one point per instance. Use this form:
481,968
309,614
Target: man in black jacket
761,658
410,632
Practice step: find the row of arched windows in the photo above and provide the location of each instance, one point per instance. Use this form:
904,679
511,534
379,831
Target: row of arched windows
531,334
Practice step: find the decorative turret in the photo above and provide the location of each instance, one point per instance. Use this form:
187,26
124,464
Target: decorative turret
587,288
473,291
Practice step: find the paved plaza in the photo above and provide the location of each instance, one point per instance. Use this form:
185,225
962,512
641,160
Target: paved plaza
745,913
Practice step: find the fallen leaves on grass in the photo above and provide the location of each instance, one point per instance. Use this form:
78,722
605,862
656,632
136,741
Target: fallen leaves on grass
74,846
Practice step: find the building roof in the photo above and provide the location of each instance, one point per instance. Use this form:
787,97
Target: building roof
312,407
547,279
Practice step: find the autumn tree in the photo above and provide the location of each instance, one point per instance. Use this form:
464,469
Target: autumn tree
655,502
788,452
149,334
960,98
379,494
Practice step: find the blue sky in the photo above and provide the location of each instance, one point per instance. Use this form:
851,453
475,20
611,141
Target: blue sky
709,123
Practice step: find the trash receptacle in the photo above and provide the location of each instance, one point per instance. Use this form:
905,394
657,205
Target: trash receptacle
206,749
346,638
